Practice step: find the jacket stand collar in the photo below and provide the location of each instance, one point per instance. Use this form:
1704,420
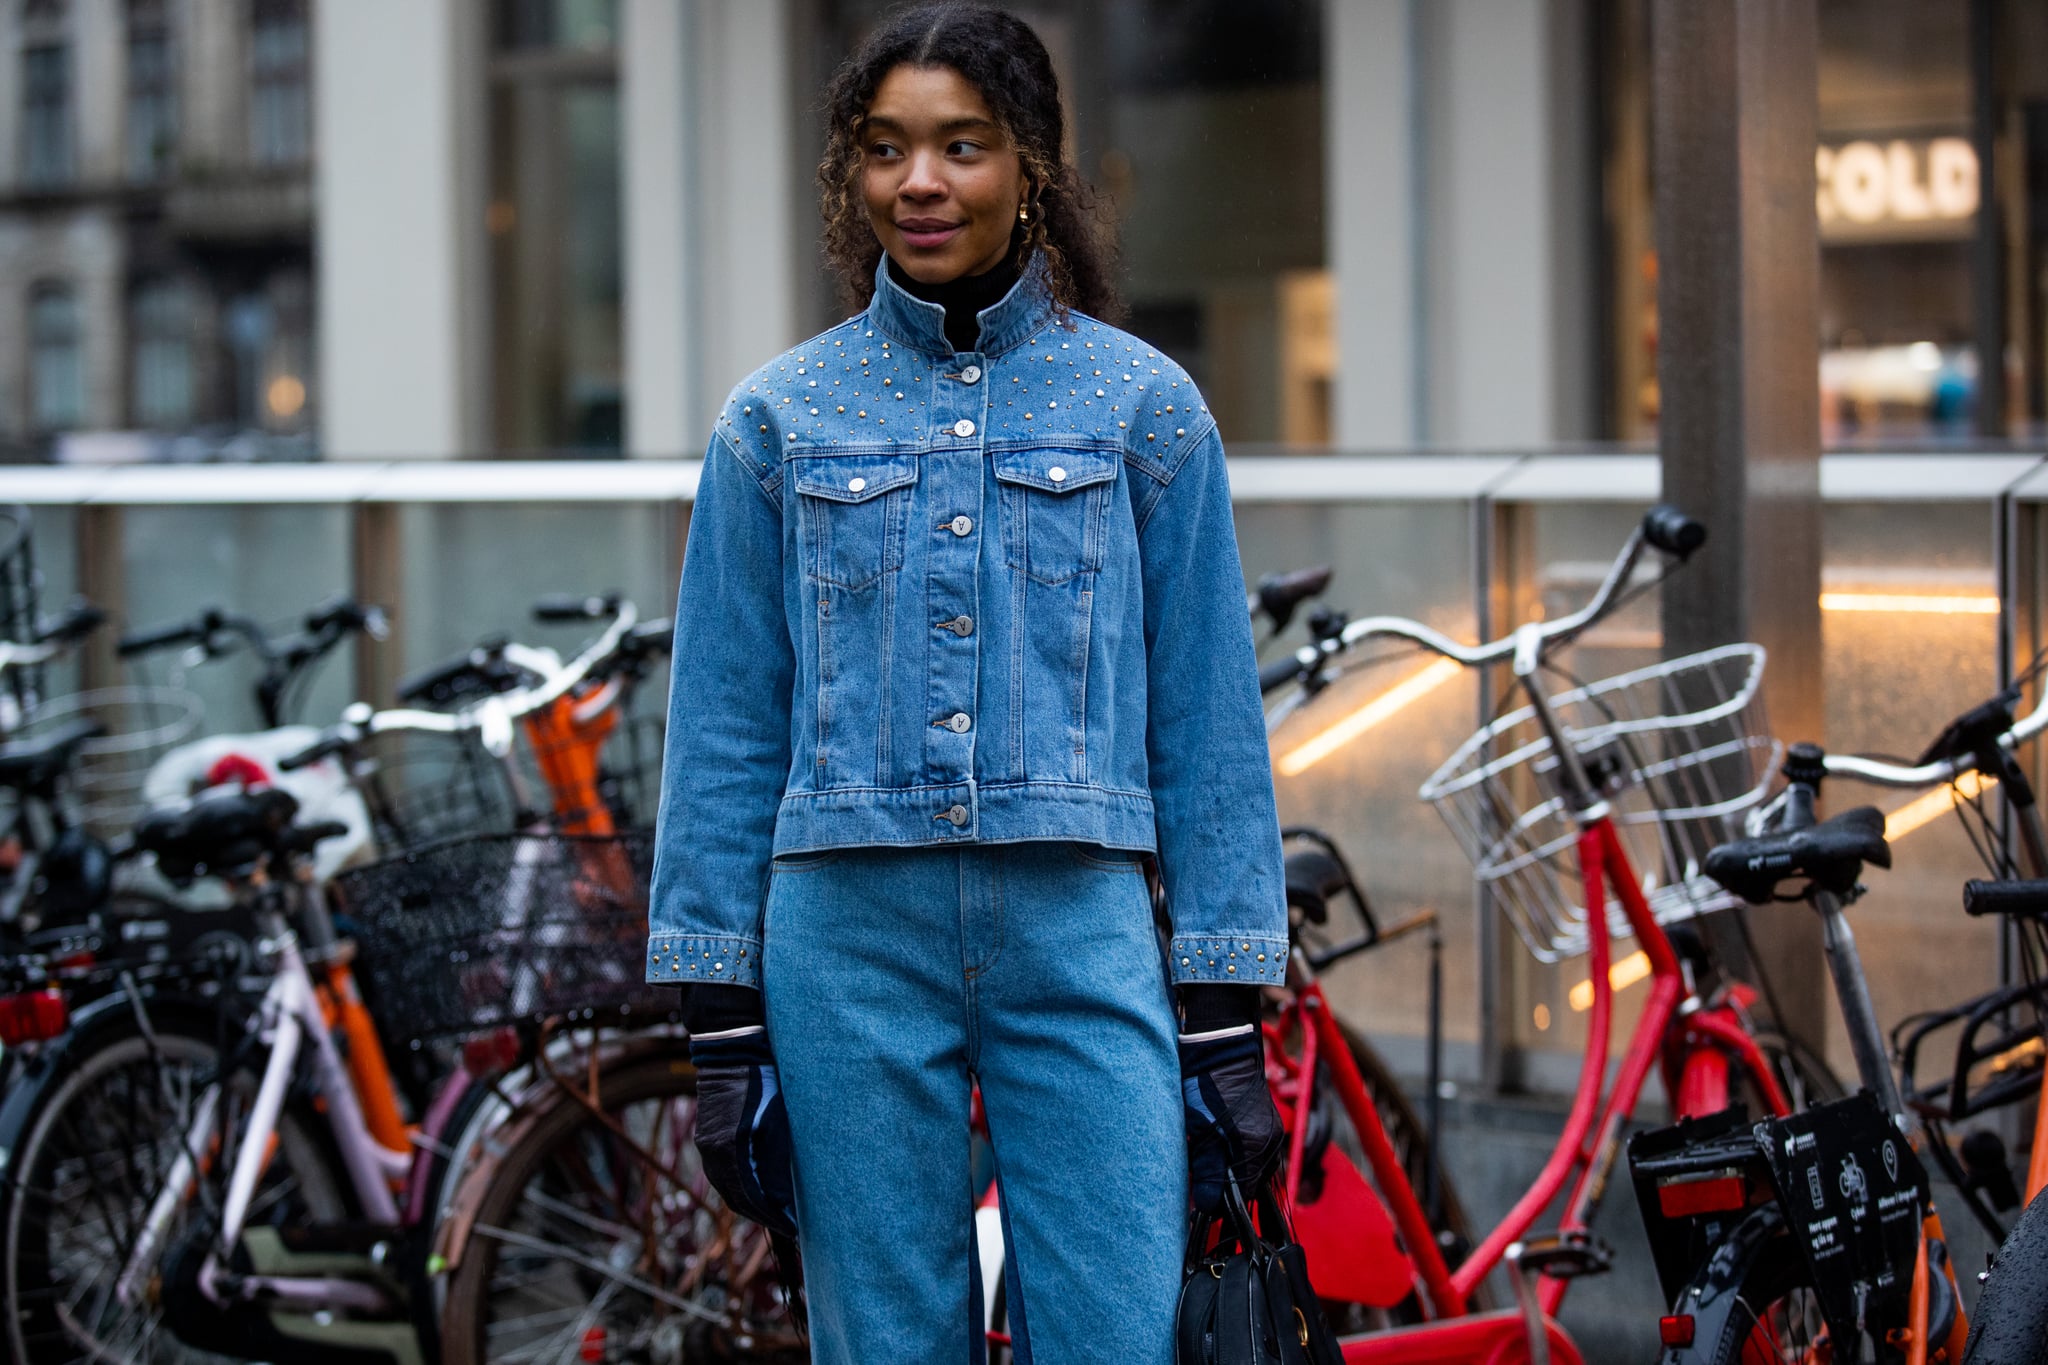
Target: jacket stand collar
1010,321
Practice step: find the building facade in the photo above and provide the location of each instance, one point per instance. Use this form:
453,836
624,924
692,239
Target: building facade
156,226
564,227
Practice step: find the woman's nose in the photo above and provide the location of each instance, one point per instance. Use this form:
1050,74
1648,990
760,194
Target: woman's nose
923,180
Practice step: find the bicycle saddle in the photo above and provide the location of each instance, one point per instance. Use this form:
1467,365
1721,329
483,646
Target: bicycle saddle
222,832
1830,855
26,764
1313,876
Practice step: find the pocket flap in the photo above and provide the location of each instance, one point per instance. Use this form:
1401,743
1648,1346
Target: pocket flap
1052,470
853,478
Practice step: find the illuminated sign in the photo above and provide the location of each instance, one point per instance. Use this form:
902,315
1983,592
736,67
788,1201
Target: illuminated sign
1905,189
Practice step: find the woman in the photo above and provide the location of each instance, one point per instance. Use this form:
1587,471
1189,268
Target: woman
961,641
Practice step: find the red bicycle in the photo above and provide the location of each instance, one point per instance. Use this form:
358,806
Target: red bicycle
1563,805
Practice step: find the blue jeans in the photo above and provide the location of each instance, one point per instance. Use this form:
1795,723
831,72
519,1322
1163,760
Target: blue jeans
896,976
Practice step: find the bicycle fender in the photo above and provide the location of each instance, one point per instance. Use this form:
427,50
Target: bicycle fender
89,1026
1714,1294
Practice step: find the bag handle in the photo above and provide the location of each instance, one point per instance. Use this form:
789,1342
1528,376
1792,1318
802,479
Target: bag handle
1259,1239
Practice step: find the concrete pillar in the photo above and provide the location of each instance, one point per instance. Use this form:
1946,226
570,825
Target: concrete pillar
211,62
1368,141
654,124
1459,163
99,85
1507,197
739,230
710,209
1735,112
386,88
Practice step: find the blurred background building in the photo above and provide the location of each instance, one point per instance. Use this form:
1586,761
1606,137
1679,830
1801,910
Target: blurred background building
437,228
156,230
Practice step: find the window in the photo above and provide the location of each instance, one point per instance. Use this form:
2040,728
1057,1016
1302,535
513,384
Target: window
46,115
160,365
56,362
152,108
591,25
278,110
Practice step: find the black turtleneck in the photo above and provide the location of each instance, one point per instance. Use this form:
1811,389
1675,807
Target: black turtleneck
963,299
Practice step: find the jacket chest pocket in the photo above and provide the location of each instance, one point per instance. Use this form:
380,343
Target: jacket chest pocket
852,511
1055,510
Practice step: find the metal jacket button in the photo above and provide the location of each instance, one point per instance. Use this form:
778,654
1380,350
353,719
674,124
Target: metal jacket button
962,525
970,375
956,814
855,485
1056,474
962,626
958,722
963,427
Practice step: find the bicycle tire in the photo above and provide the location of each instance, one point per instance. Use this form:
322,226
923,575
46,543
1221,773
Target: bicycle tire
2010,1323
97,1138
517,1267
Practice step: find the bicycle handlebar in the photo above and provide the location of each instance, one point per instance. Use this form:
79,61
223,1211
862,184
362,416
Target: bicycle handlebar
1663,528
2005,898
1879,773
564,606
79,619
491,717
136,642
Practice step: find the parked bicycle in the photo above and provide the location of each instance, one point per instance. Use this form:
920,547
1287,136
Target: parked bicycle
1558,803
155,1150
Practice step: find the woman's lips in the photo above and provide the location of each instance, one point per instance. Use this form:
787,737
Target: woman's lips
924,234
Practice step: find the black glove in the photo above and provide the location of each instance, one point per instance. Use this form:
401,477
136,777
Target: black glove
1233,1128
742,1126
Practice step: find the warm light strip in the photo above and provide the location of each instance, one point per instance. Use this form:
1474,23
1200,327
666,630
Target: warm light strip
1934,804
1921,603
1623,974
1313,751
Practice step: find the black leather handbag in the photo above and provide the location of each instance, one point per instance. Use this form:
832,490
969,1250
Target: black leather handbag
1246,1299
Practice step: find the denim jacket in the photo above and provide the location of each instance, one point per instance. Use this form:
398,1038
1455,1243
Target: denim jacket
933,598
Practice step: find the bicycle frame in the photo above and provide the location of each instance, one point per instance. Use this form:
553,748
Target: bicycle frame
1701,1037
289,1014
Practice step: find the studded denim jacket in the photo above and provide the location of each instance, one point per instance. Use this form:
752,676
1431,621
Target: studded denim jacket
932,598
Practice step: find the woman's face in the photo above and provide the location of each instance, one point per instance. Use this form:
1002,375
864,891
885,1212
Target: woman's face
942,183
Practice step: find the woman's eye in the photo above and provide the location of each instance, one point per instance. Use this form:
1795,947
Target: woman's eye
881,150
962,148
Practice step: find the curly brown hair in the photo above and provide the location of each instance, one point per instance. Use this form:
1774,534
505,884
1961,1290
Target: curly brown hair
1003,59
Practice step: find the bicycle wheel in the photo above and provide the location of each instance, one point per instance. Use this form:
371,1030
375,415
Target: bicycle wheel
93,1153
599,1238
2010,1324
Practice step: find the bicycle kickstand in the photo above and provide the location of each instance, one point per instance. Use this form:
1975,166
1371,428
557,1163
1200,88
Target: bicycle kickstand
1533,1326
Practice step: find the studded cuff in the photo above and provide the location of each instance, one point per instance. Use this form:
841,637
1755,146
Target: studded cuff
682,959
1248,957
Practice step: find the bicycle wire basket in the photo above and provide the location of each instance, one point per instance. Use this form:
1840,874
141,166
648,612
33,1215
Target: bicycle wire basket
474,934
1680,750
422,789
140,725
